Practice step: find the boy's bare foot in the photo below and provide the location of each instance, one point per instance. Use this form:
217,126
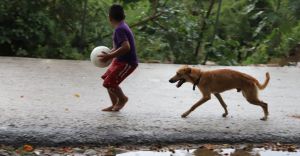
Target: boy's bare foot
108,109
120,104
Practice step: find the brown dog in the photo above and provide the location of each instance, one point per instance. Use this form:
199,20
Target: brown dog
218,81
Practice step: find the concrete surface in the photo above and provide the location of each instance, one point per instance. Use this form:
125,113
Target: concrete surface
38,105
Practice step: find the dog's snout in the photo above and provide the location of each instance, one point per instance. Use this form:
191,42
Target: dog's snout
171,81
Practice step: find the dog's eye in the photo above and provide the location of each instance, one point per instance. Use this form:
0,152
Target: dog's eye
177,74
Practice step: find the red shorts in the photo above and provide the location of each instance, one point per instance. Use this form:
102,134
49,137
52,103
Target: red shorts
116,73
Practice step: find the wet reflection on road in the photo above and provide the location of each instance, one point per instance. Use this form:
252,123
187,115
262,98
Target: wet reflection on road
214,152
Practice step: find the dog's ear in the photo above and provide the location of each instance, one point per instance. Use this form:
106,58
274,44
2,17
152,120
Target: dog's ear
188,70
184,66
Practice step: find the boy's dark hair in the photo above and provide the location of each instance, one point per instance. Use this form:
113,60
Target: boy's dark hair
116,12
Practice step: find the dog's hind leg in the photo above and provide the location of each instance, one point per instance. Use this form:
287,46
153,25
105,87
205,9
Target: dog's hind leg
200,102
252,97
264,107
219,97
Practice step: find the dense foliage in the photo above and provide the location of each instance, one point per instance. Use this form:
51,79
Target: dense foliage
228,32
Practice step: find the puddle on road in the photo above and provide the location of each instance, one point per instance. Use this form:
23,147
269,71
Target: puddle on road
216,152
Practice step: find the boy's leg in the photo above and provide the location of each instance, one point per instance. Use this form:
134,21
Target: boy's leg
118,72
121,96
114,100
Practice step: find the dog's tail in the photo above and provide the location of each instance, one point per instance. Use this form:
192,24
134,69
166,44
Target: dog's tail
263,86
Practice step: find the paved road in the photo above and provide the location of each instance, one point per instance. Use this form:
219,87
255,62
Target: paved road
38,105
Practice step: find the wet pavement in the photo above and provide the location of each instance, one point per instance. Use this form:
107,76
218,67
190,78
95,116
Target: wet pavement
58,102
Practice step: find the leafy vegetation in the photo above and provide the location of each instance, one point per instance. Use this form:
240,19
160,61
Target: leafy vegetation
228,32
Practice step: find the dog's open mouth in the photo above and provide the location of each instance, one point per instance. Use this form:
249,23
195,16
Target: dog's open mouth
180,82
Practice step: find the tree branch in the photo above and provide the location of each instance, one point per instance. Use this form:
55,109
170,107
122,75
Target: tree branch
150,18
203,27
154,15
215,30
145,20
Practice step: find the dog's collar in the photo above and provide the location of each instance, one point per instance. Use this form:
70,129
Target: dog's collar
196,83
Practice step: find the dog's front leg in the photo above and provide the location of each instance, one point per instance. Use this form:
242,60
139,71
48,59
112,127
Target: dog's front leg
200,102
219,97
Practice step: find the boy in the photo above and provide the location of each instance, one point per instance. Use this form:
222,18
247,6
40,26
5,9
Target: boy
125,59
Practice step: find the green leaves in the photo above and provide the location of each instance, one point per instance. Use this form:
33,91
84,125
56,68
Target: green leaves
262,24
249,8
249,31
224,52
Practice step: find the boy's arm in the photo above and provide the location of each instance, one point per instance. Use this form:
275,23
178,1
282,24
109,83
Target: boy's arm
114,47
125,48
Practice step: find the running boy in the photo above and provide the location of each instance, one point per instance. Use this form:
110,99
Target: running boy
125,59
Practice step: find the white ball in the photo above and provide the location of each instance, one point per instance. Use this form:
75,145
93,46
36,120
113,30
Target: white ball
95,59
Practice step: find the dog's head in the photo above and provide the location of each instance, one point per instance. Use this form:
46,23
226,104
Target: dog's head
182,75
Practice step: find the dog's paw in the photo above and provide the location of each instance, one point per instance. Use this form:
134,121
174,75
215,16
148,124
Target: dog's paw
184,115
264,118
224,115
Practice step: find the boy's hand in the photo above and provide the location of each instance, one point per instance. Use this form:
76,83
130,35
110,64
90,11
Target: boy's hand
104,57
